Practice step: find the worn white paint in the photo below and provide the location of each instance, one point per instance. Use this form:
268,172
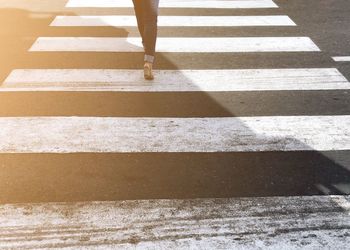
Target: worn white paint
217,4
315,222
344,203
182,21
174,80
38,7
177,44
228,134
341,58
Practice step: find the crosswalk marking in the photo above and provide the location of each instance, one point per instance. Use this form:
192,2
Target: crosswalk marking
341,58
175,80
183,21
179,224
228,134
177,44
274,222
212,4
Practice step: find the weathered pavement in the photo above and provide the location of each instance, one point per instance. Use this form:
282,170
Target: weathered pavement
241,223
250,101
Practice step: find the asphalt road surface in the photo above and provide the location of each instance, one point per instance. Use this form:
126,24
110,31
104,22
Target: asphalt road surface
251,99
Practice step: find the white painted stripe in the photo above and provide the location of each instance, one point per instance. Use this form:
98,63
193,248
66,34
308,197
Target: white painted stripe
341,58
231,134
174,80
321,222
189,21
217,4
176,44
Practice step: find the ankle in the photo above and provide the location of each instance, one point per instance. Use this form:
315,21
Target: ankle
149,64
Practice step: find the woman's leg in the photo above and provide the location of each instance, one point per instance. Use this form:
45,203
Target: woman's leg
147,16
150,18
138,7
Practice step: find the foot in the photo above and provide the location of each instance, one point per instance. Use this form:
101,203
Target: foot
147,71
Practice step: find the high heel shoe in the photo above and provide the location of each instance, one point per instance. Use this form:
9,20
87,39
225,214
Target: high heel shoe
147,71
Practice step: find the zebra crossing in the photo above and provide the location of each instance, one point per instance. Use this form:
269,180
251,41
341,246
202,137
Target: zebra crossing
174,21
341,58
177,4
175,80
222,225
177,44
90,134
177,140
